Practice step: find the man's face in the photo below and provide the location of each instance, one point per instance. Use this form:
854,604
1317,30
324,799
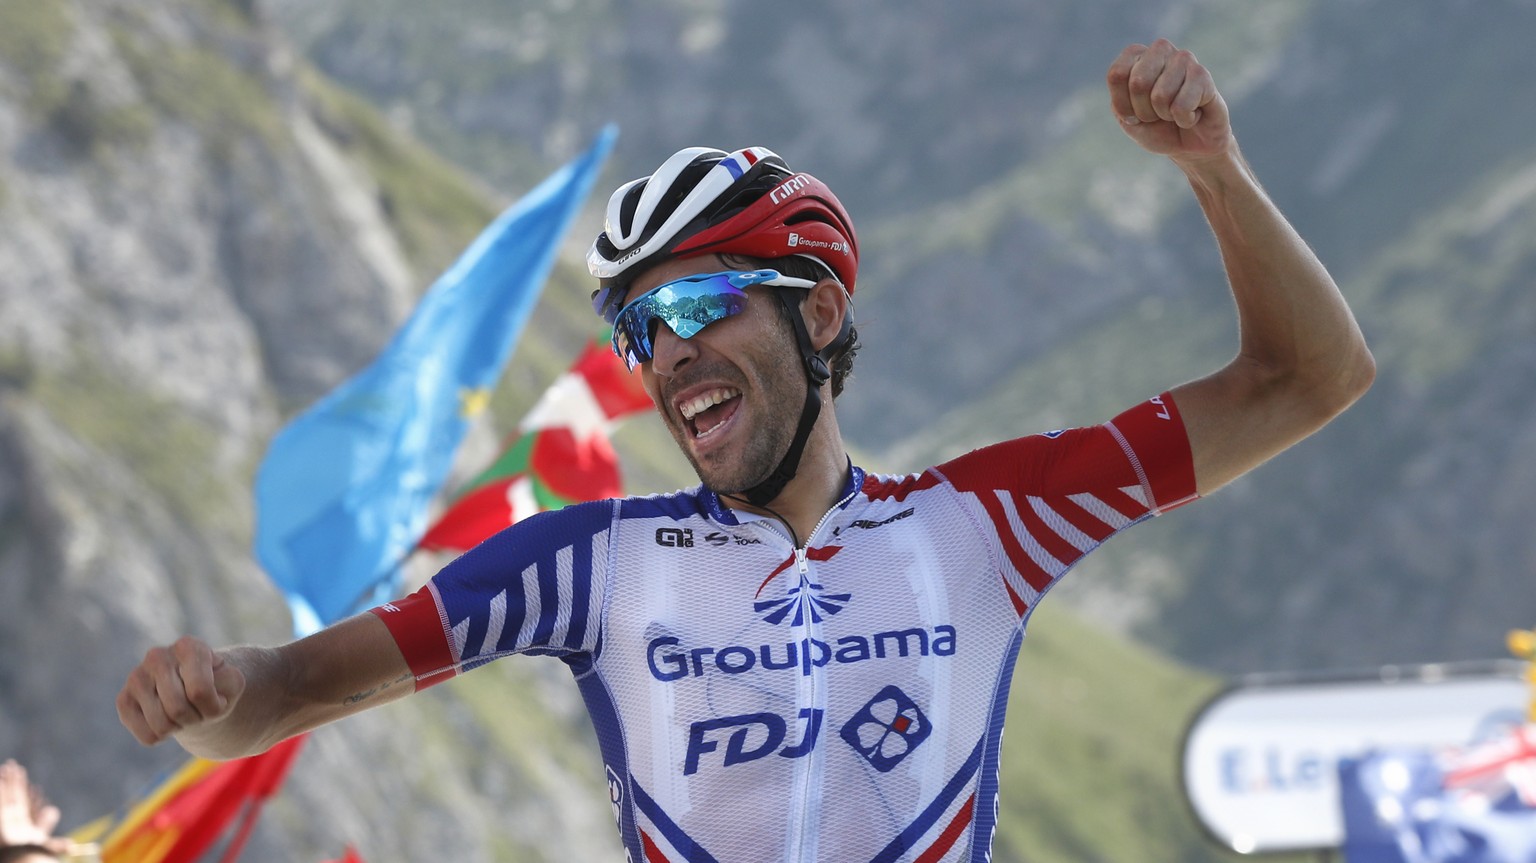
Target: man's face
731,395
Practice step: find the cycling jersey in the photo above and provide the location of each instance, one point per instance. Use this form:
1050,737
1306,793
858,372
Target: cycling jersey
842,701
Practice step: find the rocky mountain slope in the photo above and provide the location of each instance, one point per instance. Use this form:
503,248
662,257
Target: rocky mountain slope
198,238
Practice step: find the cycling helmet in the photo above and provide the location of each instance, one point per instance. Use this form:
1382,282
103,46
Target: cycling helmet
703,201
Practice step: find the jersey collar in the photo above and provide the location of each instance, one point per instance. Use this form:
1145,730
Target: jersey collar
723,514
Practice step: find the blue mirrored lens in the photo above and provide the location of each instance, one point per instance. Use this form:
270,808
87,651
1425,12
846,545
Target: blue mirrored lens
685,305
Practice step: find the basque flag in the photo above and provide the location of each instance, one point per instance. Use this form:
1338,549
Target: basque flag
560,455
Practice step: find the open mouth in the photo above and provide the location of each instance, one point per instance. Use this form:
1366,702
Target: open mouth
707,412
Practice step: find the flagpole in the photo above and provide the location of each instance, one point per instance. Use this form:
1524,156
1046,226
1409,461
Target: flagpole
1522,643
247,825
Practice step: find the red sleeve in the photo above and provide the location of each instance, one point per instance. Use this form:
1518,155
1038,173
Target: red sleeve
1140,461
416,622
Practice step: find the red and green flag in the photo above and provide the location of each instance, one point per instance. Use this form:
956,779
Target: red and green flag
561,453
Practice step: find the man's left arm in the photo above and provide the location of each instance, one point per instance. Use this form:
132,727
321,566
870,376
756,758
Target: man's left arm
1301,357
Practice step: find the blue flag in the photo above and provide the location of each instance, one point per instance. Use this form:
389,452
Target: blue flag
341,497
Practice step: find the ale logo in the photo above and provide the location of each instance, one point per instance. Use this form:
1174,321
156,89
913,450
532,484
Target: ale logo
886,729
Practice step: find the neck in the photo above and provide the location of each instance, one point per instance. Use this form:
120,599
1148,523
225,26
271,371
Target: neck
818,484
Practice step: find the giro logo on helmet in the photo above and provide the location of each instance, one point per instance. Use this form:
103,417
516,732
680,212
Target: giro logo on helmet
784,190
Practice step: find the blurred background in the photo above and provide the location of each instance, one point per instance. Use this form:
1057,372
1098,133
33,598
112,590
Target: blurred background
213,211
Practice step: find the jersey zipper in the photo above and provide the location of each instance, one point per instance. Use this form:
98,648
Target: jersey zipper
811,686
802,847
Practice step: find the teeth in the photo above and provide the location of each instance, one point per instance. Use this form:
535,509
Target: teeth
694,406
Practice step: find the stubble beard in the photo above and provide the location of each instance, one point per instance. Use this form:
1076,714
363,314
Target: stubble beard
777,396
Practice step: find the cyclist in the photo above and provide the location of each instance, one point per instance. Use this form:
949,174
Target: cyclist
797,660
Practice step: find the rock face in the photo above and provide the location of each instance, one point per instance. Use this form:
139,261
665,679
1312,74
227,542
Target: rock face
193,248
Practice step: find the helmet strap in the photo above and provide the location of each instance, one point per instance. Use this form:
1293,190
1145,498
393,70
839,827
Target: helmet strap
817,372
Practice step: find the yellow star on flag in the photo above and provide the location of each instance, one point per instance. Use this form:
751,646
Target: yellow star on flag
473,402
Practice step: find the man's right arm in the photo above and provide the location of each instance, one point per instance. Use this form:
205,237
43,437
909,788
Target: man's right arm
240,701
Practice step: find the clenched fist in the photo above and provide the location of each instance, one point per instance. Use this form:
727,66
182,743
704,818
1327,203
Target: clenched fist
1167,102
176,688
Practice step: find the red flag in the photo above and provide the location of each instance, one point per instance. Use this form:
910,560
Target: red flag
561,454
190,820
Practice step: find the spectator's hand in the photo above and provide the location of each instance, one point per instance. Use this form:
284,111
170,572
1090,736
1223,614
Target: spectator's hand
1167,102
26,818
176,688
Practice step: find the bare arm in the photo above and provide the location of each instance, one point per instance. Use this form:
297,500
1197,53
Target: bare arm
241,700
1301,357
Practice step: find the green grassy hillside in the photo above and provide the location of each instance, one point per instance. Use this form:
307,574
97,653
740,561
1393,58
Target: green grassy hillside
1090,756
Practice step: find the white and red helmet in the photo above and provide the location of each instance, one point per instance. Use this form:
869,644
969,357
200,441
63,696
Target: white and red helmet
703,201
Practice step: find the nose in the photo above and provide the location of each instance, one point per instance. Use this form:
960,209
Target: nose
670,352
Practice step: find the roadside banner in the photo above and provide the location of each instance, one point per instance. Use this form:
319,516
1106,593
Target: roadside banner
1261,759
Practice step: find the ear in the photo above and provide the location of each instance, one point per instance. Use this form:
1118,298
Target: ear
824,308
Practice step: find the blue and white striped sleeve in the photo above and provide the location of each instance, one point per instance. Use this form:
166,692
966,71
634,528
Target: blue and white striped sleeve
535,588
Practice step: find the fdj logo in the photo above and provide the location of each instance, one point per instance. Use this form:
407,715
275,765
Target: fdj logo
887,728
674,537
756,735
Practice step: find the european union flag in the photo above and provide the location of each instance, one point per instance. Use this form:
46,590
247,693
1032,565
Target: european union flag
341,497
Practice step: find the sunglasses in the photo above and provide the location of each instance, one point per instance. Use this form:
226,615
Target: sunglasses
687,305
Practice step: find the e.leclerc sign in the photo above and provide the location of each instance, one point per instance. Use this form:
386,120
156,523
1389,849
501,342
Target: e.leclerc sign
1260,760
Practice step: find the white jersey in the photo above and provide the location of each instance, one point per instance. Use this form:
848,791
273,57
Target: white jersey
842,701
